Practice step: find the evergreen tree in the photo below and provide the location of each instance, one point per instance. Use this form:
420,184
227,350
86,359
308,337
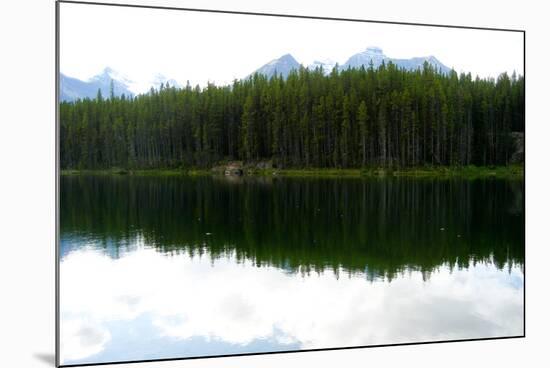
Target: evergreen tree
353,118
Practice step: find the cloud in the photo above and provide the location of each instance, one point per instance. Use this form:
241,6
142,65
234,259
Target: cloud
82,338
239,303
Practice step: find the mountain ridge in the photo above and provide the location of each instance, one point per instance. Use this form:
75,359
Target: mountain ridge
72,89
279,66
371,54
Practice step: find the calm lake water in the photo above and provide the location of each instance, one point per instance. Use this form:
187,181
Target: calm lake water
165,267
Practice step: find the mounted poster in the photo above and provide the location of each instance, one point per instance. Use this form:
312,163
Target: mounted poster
238,183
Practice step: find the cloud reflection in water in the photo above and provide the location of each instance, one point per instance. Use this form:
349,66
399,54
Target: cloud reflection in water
147,305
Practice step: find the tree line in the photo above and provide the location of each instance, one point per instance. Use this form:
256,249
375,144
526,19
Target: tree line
367,117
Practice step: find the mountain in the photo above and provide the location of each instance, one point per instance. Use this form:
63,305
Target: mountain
371,54
325,65
159,79
281,66
72,89
418,63
377,57
286,63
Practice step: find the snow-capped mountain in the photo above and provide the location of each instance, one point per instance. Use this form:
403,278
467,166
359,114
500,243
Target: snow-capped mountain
374,55
109,74
72,89
160,79
326,65
371,54
281,66
377,57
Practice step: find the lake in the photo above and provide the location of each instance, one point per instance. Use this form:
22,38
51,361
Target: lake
169,267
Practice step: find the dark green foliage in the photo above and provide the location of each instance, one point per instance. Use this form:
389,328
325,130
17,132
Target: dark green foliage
379,226
387,117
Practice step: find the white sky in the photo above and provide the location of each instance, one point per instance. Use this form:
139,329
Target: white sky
202,47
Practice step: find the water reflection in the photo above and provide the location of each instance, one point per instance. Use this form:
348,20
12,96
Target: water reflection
160,268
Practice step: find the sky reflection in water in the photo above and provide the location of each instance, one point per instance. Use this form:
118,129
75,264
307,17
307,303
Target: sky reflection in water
147,305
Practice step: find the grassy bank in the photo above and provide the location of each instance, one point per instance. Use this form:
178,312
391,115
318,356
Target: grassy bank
465,172
514,171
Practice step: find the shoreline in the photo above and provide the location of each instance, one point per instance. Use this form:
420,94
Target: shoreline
512,171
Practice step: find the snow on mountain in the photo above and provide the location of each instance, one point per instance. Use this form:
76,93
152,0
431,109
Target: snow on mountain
160,79
326,65
72,89
281,66
418,62
376,56
109,73
372,55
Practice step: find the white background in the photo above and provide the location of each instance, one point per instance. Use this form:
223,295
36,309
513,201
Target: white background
27,183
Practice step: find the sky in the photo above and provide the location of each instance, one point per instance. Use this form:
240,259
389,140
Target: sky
209,47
